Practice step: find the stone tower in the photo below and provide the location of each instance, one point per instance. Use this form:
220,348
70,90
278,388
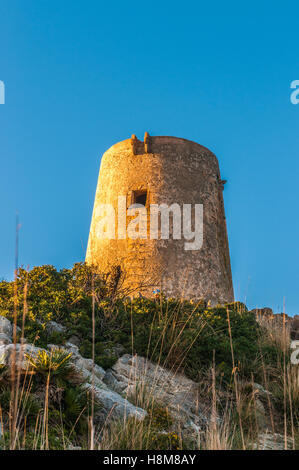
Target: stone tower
164,170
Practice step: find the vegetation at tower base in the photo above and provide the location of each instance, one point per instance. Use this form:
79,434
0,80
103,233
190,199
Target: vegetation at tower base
191,332
223,349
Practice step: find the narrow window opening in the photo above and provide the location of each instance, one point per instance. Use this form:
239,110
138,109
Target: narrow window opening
140,197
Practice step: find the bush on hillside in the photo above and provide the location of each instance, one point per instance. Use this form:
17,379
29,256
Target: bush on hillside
177,334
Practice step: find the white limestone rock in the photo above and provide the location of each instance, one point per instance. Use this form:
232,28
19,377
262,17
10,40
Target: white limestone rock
17,353
54,327
115,405
174,390
6,327
270,441
5,339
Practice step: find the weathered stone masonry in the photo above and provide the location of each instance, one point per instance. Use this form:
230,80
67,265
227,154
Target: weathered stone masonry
165,170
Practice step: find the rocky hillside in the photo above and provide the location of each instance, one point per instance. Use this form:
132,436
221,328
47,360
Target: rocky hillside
166,374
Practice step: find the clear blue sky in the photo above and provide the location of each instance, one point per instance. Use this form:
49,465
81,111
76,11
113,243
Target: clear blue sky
81,76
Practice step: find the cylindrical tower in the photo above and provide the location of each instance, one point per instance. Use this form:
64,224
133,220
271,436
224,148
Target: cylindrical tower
163,170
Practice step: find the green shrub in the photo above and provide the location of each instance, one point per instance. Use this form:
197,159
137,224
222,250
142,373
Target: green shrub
55,363
177,334
160,418
180,335
166,441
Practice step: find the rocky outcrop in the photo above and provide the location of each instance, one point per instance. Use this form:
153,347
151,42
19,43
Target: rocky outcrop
113,404
295,328
261,406
270,441
5,331
17,354
4,339
291,322
265,311
133,375
114,389
90,375
14,353
54,327
134,384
